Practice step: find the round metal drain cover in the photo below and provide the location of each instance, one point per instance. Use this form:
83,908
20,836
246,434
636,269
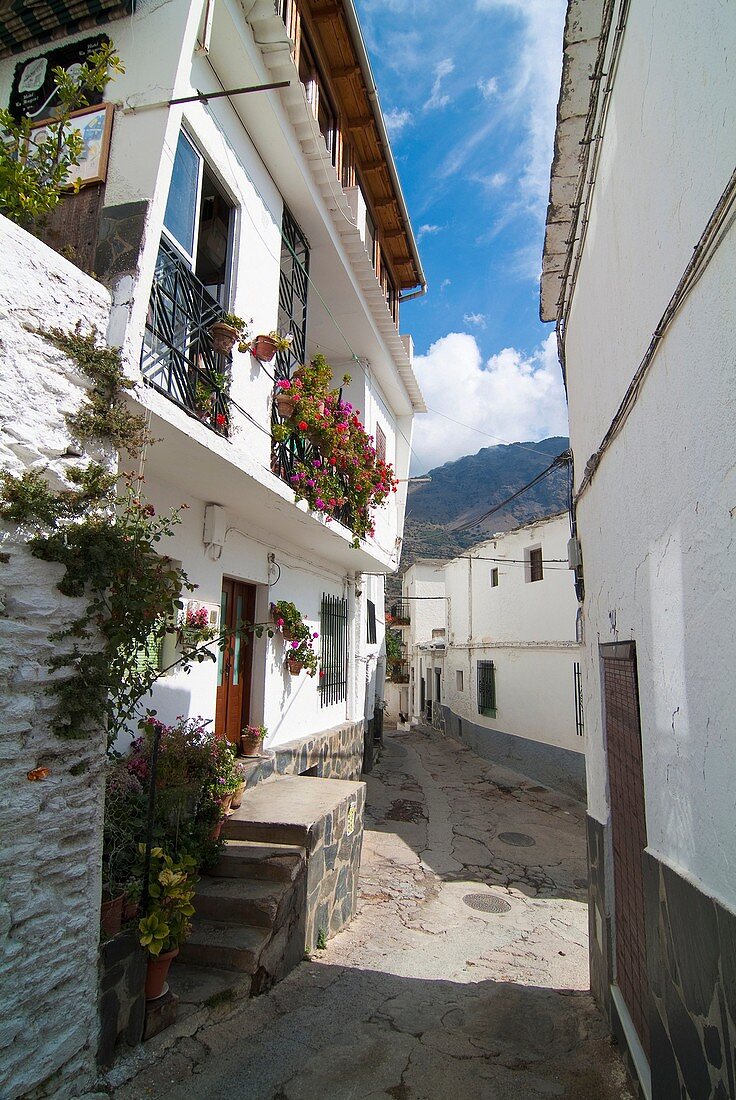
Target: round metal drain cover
520,840
486,903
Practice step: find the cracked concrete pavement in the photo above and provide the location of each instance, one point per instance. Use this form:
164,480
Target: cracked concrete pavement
422,997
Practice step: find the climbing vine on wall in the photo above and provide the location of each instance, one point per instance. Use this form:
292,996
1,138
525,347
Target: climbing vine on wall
105,534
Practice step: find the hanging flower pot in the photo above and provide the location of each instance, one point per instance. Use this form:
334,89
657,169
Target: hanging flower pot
294,665
285,404
224,337
157,972
264,348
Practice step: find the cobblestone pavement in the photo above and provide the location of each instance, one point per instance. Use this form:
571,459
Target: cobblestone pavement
423,997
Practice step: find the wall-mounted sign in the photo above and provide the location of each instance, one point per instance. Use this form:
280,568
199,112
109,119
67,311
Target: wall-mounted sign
94,124
33,93
350,826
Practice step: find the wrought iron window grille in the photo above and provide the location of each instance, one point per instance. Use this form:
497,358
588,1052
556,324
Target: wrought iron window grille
334,639
487,689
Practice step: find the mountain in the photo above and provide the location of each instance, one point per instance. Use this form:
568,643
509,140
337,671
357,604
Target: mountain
462,491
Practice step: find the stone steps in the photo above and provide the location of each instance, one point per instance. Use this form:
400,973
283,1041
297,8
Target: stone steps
252,902
255,860
225,945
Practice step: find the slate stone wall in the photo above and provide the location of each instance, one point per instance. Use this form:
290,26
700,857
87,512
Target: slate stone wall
333,864
561,769
333,754
691,949
122,1001
51,829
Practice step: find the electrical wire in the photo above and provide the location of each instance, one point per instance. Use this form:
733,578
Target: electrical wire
558,461
508,442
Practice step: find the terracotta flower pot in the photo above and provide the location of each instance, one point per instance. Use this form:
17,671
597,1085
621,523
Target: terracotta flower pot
285,404
223,337
111,915
294,665
263,348
158,968
238,797
250,744
130,909
216,830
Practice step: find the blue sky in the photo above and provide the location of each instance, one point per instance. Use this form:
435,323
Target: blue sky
469,92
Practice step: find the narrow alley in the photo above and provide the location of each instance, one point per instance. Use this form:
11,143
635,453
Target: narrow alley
464,973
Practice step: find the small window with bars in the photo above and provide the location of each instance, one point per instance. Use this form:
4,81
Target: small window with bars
487,689
533,564
380,443
333,675
371,639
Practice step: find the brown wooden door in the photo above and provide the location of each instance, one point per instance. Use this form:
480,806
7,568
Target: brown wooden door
235,661
629,830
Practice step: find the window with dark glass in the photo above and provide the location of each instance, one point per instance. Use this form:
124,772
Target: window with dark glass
333,674
371,639
535,564
487,689
494,578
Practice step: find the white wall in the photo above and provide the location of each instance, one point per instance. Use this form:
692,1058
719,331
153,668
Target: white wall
656,523
50,856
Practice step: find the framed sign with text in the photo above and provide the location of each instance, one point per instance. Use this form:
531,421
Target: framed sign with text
33,92
94,124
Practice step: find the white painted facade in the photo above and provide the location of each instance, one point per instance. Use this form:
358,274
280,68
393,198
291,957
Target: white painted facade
527,628
424,602
656,520
264,150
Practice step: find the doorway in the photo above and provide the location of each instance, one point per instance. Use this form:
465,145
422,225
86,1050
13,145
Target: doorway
628,828
235,660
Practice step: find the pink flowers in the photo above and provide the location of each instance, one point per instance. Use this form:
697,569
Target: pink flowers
284,384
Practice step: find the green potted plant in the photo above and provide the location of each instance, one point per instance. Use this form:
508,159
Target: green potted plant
300,649
265,346
251,740
166,923
229,330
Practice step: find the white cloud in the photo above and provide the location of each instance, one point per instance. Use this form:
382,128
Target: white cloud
488,87
396,120
478,319
437,98
512,397
444,285
428,230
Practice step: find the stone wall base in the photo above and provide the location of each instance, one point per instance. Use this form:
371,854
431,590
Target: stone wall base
561,769
335,753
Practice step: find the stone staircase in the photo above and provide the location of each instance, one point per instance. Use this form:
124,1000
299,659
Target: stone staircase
250,910
289,871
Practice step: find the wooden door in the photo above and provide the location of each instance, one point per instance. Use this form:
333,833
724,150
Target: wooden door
235,661
628,823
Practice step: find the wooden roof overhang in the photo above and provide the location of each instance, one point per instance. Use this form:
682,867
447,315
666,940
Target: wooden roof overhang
25,24
333,26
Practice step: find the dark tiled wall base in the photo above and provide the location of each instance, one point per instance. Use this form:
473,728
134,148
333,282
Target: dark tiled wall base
599,922
335,753
333,866
691,946
122,1002
560,769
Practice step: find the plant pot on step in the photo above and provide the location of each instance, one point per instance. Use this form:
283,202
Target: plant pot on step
157,972
285,404
263,348
238,797
250,745
111,914
294,665
223,337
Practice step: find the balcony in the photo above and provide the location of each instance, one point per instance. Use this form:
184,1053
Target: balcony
178,358
400,613
398,672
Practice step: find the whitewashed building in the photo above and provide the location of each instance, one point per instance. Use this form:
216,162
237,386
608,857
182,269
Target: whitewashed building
491,645
283,206
639,264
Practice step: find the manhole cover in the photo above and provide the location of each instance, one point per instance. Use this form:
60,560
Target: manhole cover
486,903
520,840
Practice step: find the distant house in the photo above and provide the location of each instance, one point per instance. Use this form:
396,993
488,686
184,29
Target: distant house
492,652
638,274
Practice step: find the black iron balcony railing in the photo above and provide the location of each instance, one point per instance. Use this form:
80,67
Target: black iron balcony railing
398,672
178,357
400,613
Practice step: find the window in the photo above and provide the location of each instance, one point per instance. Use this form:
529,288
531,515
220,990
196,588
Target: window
380,443
317,95
334,660
293,286
371,623
459,679
494,577
533,564
487,689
